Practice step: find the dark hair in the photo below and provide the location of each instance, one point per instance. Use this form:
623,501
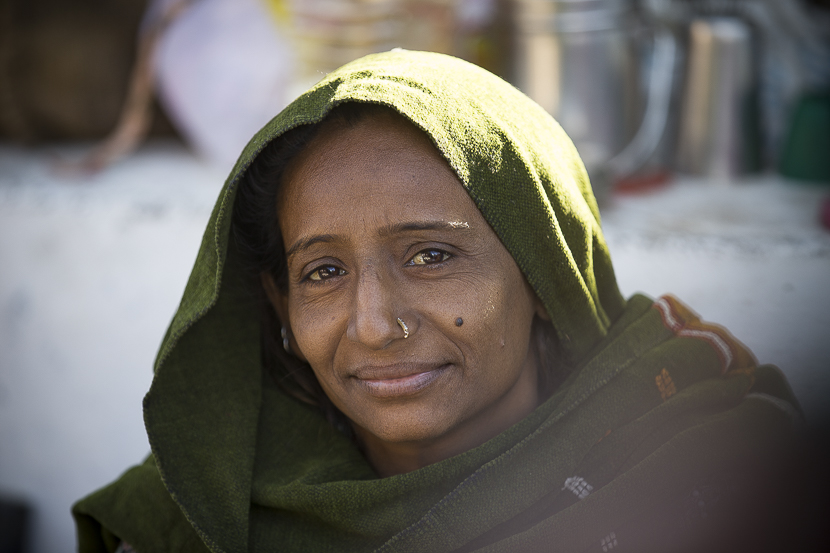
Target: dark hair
257,236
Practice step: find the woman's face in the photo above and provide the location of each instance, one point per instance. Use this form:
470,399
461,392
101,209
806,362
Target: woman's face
377,227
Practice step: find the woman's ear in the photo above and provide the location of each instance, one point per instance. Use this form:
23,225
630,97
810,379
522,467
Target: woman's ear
541,311
279,301
538,307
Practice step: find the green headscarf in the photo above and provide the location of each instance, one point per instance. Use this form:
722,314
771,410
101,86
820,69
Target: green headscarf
657,402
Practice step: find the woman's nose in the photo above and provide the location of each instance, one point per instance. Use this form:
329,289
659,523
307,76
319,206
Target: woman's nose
373,322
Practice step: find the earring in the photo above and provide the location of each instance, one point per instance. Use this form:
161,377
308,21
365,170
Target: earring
404,327
285,345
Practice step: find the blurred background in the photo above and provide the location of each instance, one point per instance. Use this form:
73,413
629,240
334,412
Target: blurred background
704,124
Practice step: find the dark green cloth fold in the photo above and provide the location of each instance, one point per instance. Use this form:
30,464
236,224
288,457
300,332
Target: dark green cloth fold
655,404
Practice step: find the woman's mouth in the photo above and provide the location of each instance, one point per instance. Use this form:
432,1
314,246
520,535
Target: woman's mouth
386,382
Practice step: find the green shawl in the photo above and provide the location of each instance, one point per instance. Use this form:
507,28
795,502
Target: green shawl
658,402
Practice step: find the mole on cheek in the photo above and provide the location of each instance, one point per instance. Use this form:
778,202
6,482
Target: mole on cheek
459,321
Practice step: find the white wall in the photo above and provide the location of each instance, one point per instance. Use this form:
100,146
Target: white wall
91,270
751,256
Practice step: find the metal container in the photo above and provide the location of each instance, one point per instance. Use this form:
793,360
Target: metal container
719,127
330,33
582,60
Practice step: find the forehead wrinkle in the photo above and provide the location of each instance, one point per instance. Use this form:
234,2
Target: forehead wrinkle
411,226
384,231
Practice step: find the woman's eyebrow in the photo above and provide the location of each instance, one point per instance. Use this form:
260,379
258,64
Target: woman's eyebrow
422,225
388,230
305,243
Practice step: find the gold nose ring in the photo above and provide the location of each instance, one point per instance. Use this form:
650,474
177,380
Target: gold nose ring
404,327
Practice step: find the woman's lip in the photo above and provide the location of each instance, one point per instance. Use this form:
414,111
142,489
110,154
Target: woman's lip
398,381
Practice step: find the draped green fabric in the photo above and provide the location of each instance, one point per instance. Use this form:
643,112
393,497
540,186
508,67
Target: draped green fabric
658,401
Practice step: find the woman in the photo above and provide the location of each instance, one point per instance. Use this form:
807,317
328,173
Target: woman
403,333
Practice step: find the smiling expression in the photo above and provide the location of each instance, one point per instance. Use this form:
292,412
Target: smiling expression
378,227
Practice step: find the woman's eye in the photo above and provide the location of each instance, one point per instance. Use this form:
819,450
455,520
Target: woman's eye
325,272
429,257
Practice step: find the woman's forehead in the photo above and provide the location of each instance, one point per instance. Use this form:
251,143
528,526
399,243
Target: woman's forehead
383,171
382,148
382,129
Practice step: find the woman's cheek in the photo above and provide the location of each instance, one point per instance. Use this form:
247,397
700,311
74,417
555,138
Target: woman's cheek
313,332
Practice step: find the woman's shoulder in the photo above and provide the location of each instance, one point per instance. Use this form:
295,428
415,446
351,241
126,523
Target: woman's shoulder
693,439
136,509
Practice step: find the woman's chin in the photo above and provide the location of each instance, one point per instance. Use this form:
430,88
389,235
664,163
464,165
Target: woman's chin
414,424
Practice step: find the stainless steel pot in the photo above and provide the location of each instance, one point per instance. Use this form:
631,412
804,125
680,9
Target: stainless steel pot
719,128
583,61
